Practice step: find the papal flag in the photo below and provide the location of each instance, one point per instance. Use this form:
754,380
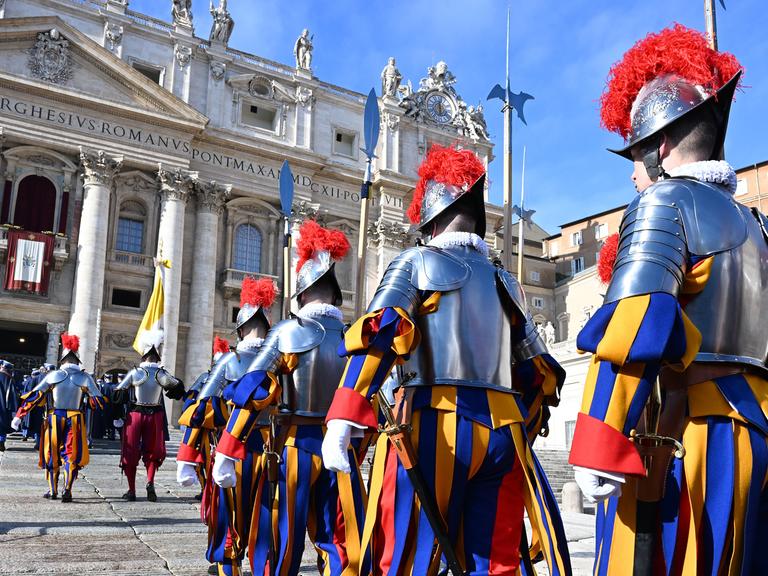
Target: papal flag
150,331
28,265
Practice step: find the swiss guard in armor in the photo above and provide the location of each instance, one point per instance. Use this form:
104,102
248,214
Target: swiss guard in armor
474,388
203,457
677,389
143,433
64,442
227,511
296,372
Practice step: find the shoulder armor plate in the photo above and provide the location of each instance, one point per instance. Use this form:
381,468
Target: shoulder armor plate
513,289
56,376
710,216
419,268
437,270
138,376
297,335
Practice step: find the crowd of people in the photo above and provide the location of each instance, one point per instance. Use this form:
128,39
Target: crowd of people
447,378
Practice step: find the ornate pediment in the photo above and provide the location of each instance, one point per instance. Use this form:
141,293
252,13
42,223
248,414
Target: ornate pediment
261,86
45,52
437,103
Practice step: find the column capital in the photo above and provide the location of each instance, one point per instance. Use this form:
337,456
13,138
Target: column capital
388,233
54,327
98,167
175,183
211,196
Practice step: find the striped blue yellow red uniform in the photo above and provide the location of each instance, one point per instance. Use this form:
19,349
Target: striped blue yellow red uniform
474,451
327,506
226,511
714,511
64,442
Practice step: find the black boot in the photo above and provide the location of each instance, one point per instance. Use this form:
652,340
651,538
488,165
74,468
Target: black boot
50,496
2,446
66,496
130,496
151,494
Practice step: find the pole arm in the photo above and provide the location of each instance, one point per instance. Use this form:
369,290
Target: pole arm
365,189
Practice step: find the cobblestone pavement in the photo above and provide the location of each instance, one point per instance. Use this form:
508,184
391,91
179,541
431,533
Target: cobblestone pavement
99,533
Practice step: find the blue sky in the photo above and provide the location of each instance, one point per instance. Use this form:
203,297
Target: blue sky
561,51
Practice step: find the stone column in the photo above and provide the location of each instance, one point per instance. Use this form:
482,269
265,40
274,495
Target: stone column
54,335
99,171
210,203
175,187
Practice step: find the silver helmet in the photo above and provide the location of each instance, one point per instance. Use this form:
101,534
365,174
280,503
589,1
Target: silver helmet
319,249
321,265
256,297
668,98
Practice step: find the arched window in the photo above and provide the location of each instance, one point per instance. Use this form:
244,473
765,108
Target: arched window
247,252
130,228
35,204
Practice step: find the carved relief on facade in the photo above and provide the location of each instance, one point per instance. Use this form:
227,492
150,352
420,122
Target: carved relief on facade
50,59
113,35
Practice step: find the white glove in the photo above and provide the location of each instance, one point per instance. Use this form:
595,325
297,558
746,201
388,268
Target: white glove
597,485
335,446
186,474
16,423
117,423
224,471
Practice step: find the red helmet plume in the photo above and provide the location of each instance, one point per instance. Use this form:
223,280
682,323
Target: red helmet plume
220,345
677,50
70,342
256,293
314,238
607,258
448,165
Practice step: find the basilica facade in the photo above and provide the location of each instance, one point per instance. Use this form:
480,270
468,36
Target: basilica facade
124,139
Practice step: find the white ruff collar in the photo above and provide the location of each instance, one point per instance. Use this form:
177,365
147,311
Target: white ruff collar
149,364
317,309
713,171
71,366
451,239
249,344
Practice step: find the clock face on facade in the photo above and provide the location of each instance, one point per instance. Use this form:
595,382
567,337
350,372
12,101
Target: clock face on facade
439,108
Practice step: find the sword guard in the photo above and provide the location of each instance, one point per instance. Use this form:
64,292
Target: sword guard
648,440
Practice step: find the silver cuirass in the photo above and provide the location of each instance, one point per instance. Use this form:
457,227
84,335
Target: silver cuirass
308,390
732,311
678,223
68,388
147,384
469,340
230,367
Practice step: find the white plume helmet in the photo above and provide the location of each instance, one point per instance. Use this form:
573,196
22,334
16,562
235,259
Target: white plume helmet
151,339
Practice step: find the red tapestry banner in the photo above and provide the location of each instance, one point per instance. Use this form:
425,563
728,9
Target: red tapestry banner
29,262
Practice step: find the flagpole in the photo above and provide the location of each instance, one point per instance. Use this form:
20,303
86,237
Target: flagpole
711,20
521,232
507,243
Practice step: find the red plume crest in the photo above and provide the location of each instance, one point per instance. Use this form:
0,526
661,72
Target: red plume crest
447,165
220,345
314,238
677,50
70,342
259,292
607,258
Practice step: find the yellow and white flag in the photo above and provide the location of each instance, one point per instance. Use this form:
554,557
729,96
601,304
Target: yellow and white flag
150,331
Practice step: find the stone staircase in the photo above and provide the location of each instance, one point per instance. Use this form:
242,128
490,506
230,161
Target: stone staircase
555,464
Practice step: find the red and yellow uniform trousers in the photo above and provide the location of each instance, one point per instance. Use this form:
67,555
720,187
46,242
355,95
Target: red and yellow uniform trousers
713,515
64,442
309,499
143,438
226,511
